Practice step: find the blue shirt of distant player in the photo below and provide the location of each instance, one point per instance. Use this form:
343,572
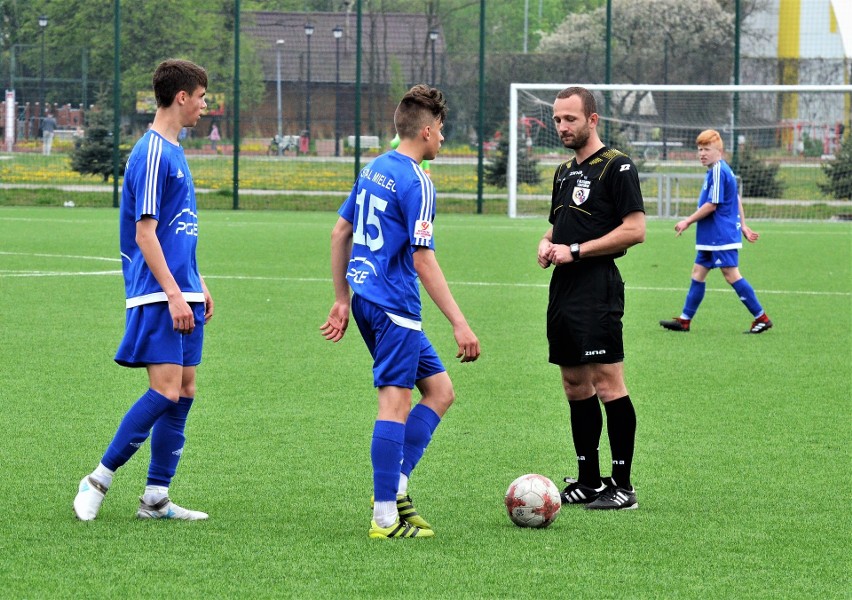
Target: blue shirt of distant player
391,208
157,184
720,230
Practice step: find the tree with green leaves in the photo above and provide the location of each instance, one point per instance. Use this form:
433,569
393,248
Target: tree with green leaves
93,156
759,178
80,35
838,172
496,169
646,50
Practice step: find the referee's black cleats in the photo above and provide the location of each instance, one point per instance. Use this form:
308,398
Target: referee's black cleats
578,493
676,324
761,324
615,498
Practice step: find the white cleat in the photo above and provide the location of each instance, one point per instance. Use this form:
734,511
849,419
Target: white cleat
166,509
90,496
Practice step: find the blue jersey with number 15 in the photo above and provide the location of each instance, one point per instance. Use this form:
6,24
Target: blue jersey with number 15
391,208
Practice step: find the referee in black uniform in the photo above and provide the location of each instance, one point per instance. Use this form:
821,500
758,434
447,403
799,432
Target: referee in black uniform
596,214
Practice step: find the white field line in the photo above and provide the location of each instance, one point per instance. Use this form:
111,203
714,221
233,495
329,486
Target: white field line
42,255
325,280
519,225
55,273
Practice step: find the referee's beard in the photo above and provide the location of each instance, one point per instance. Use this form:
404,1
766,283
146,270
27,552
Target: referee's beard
578,140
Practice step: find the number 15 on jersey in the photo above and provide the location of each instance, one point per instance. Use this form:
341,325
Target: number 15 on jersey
362,234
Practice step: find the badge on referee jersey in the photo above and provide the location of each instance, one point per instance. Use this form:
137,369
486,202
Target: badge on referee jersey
581,191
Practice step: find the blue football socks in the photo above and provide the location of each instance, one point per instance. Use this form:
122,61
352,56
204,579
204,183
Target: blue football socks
134,428
167,440
421,424
693,299
748,297
386,456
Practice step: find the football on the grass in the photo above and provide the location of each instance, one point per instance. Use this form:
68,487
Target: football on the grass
533,501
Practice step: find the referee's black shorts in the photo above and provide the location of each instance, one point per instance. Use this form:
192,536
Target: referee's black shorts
584,314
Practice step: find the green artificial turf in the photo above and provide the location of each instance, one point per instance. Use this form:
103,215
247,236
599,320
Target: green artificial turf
742,464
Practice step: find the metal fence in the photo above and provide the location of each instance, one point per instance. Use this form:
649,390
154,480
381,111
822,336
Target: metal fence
306,88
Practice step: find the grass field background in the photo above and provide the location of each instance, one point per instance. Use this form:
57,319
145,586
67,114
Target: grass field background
742,464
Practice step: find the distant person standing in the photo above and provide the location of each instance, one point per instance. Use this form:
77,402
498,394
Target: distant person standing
167,301
214,137
79,136
720,226
48,127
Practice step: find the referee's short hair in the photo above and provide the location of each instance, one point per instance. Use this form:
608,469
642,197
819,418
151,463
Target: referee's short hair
590,105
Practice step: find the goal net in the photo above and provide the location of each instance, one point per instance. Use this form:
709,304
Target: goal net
783,141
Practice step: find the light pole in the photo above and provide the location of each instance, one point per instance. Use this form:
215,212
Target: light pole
278,45
42,22
338,33
309,31
665,96
433,36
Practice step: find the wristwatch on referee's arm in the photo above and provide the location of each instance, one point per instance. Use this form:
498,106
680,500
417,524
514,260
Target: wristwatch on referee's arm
575,252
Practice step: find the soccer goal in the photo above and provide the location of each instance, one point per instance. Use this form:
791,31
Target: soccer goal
782,140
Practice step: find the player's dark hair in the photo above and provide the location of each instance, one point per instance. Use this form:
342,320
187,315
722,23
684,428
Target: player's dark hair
420,106
175,75
590,105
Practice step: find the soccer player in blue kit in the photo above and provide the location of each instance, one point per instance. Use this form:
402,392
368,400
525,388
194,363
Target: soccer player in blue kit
381,244
167,300
720,225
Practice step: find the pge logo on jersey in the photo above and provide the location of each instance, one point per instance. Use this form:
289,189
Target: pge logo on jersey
185,222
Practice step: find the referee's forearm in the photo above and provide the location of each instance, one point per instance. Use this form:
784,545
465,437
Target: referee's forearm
626,235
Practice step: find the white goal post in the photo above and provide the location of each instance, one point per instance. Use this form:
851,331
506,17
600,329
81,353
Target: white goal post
790,126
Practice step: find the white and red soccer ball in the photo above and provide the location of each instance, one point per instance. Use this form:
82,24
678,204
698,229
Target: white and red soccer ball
533,501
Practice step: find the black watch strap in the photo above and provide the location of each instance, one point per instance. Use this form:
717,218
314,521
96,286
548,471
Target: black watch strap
575,252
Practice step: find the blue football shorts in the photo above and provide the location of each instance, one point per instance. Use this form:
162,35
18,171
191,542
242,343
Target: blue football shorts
150,338
401,356
714,259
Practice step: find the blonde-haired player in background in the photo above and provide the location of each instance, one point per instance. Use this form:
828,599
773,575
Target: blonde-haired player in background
718,236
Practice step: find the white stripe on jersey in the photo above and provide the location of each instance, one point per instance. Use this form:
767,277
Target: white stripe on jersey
152,171
161,297
405,322
717,176
427,198
731,246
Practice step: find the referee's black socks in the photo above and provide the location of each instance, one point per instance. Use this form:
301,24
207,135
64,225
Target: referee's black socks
621,429
586,428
